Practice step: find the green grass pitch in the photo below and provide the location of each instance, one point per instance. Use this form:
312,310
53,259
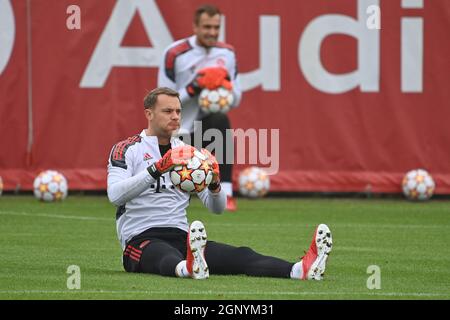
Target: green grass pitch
409,242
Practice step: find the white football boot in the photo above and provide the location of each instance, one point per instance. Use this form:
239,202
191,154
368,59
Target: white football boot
314,261
196,243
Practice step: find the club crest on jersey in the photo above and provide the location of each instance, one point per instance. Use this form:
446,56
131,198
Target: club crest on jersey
147,156
220,62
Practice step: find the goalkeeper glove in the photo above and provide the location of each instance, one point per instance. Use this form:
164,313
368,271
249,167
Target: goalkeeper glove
215,182
227,84
174,157
213,77
210,78
194,88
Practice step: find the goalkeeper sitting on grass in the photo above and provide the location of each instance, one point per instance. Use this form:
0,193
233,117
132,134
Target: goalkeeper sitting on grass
151,213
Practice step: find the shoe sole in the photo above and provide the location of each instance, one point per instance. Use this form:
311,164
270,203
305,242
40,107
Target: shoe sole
197,239
324,244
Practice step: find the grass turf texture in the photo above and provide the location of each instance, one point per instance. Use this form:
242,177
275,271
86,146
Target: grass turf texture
408,241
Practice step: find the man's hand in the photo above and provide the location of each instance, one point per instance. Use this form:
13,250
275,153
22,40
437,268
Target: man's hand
215,182
174,157
226,83
194,88
210,78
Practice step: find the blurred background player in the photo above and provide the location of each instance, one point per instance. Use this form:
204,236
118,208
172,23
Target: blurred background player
151,219
196,62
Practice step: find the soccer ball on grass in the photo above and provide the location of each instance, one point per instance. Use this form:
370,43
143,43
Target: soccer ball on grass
418,185
50,185
254,182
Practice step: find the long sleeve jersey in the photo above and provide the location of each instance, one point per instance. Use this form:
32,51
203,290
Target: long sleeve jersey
142,201
182,60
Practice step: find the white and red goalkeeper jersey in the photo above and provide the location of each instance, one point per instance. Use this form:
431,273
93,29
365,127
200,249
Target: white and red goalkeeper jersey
143,202
182,60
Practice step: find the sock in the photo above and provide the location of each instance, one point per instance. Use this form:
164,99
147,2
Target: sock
181,270
227,188
297,271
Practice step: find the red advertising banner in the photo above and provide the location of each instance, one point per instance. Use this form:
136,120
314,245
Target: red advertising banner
339,96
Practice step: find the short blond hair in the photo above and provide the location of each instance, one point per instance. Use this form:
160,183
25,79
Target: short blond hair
152,97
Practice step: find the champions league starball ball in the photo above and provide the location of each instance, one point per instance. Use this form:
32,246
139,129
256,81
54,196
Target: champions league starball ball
254,182
50,185
195,176
216,100
418,185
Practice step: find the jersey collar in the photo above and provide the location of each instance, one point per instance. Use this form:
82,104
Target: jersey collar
154,139
193,42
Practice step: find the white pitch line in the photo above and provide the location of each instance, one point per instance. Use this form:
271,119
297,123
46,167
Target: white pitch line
56,216
244,225
331,225
233,293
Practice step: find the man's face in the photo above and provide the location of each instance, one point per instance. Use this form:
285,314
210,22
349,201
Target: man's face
207,30
164,117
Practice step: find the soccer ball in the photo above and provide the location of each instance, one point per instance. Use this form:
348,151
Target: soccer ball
254,182
418,185
217,100
196,175
1,186
50,186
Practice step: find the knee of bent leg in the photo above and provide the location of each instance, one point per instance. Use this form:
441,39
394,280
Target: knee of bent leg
244,252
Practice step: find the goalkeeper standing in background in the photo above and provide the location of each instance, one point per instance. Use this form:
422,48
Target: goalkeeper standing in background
198,62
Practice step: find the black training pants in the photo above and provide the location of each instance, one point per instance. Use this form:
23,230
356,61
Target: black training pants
159,250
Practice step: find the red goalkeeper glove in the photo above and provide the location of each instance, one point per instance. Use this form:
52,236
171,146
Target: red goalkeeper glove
215,182
174,157
213,77
226,83
210,78
194,88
